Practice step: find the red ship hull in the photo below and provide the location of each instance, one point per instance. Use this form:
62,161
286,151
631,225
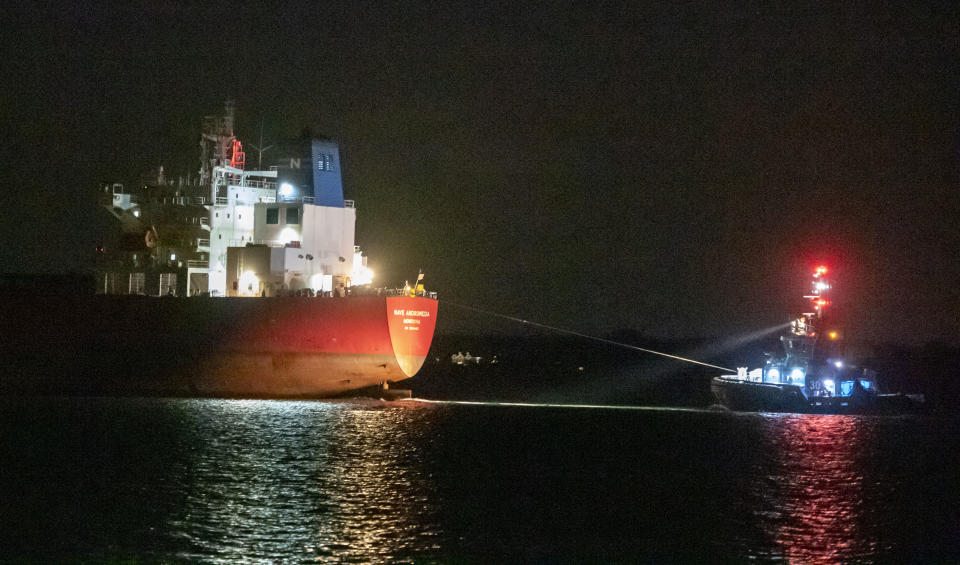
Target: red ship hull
322,347
227,347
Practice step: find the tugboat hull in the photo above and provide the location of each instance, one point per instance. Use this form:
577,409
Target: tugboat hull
750,396
745,396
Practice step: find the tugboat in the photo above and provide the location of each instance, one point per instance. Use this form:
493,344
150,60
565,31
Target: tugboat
811,375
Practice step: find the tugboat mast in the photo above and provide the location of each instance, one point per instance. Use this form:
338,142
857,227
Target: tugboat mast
800,343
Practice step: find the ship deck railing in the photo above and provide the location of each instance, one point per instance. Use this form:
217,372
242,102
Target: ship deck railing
116,199
406,292
224,201
256,242
311,200
269,243
268,184
352,292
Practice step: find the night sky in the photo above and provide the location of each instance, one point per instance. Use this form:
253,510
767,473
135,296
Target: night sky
672,170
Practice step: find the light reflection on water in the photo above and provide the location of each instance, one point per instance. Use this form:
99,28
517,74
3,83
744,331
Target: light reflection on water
365,481
305,481
813,496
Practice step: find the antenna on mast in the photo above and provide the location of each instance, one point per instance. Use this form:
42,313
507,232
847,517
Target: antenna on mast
260,149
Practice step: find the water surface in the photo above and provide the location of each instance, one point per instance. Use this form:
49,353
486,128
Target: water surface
365,481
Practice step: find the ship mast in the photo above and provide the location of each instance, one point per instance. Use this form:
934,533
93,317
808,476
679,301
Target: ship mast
260,148
216,143
800,341
808,324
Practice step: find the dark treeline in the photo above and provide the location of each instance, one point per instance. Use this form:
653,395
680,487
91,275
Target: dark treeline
571,369
932,369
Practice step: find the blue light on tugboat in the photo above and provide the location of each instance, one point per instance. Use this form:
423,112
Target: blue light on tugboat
838,364
796,374
830,386
865,384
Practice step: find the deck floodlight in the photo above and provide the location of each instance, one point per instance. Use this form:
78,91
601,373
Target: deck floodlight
830,386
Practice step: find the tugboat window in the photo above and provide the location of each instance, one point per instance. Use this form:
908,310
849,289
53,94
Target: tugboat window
273,215
293,215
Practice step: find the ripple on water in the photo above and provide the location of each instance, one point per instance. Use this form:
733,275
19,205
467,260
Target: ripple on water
224,481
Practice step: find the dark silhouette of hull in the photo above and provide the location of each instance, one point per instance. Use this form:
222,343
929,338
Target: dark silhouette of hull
749,396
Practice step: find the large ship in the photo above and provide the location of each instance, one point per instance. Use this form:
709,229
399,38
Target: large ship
811,375
237,282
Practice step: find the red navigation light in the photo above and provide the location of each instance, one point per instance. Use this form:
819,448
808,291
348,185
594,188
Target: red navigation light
237,158
820,271
822,302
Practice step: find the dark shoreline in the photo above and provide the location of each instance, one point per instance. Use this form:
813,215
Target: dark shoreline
548,368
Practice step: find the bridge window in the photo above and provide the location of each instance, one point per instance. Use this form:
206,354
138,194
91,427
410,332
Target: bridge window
293,215
273,215
325,162
137,283
168,284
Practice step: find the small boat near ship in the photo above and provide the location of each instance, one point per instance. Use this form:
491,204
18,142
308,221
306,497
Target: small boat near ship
811,375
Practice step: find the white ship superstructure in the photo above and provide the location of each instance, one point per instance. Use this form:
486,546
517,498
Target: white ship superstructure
231,218
238,232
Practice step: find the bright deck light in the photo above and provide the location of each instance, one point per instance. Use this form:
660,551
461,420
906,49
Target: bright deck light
249,283
286,189
289,234
361,275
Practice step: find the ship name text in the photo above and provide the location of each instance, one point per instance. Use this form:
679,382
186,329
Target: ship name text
414,313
